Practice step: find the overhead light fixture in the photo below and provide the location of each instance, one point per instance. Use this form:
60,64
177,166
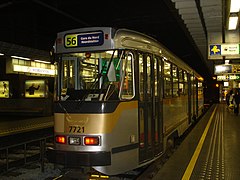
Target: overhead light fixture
1,54
19,57
234,6
227,61
47,62
232,21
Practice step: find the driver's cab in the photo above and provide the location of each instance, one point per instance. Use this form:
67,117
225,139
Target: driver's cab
96,76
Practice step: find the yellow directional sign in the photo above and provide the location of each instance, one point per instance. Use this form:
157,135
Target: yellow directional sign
223,49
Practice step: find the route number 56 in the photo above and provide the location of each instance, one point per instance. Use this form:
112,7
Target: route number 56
70,40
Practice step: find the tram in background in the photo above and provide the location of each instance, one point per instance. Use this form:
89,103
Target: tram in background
122,99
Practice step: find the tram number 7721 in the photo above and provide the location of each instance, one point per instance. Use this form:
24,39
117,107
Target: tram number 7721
76,129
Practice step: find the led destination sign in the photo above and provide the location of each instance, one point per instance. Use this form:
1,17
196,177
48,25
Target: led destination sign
84,39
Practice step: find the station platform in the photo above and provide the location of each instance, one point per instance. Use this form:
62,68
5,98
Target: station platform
10,125
210,151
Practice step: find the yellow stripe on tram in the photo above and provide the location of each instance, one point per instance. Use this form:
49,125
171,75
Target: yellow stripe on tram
194,158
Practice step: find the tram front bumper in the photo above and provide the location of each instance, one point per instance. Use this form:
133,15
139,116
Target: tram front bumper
73,159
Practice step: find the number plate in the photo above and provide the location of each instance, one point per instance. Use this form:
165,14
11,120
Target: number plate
76,129
71,40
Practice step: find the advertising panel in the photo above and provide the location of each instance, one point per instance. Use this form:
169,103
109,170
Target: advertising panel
4,89
35,89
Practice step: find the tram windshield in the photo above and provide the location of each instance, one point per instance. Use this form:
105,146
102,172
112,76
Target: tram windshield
106,75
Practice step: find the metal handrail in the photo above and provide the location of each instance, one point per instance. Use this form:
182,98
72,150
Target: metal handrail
42,151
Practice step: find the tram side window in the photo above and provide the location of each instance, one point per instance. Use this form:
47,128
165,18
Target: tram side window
141,79
200,88
127,87
175,81
156,86
181,82
141,96
185,75
193,85
167,80
149,76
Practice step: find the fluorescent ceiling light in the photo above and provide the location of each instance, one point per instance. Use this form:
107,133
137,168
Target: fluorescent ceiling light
232,23
234,6
1,54
47,62
18,57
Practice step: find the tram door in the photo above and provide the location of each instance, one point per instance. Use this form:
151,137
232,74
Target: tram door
149,107
69,73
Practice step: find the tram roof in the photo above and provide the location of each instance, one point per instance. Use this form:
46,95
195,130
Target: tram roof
94,39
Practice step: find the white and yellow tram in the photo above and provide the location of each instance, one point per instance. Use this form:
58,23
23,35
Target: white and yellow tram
121,97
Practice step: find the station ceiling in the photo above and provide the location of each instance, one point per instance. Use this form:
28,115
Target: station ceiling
183,26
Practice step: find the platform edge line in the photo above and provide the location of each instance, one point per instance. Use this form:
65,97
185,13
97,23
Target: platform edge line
191,165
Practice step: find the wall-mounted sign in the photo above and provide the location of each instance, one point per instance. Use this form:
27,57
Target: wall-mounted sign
35,70
222,68
223,49
226,84
4,89
228,77
236,68
222,78
229,49
35,89
215,49
234,77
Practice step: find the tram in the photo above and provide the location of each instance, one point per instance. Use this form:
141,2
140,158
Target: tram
122,98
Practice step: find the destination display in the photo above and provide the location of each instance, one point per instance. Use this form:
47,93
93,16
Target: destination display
84,39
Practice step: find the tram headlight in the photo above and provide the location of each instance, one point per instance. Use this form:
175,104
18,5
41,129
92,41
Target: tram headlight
74,141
